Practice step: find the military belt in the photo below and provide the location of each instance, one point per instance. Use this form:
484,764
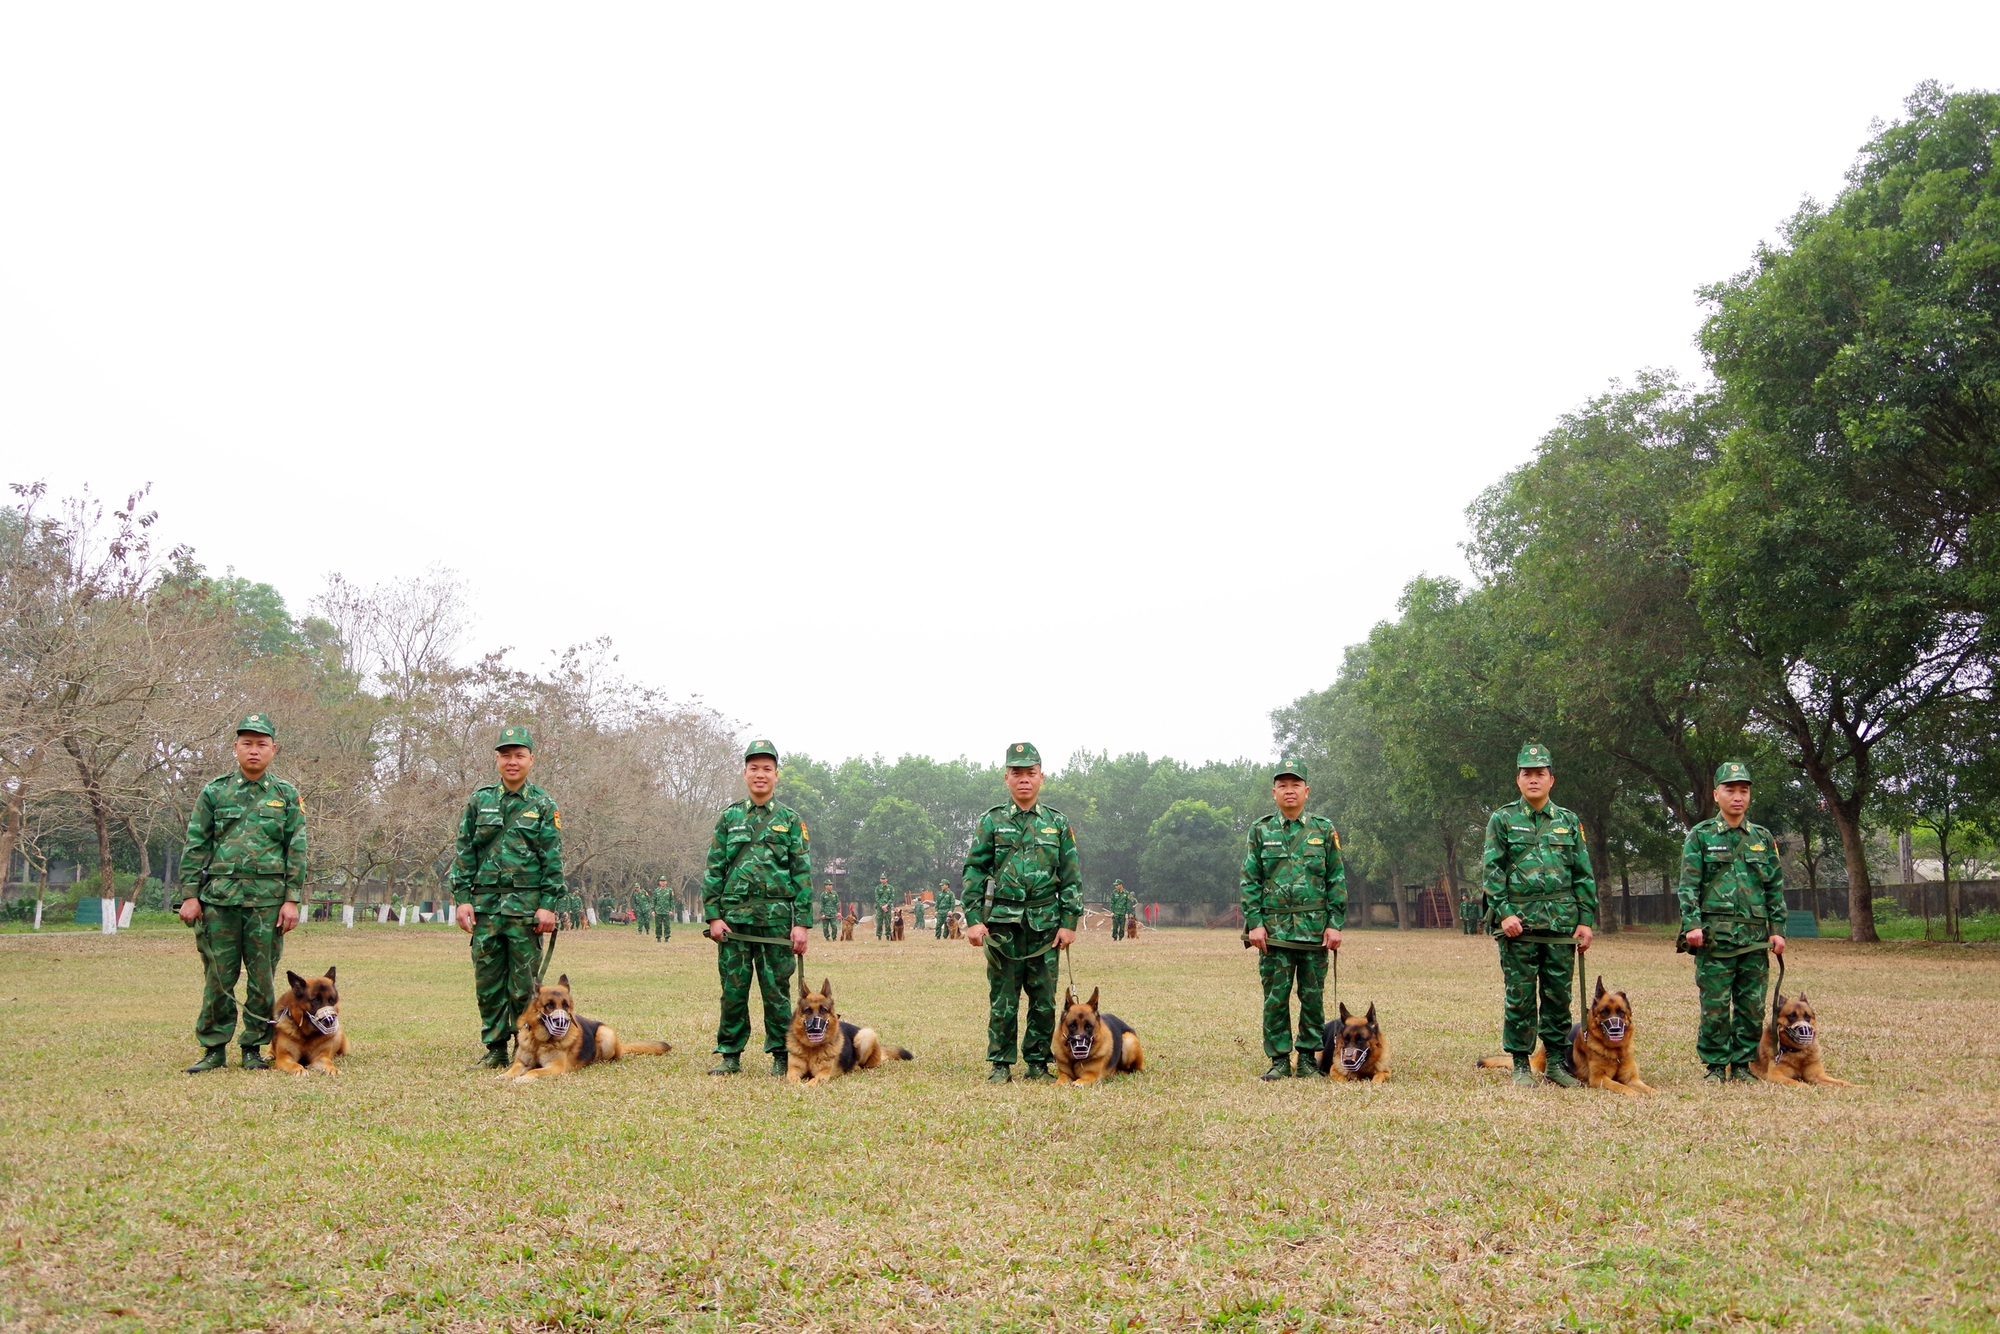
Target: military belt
1536,895
993,947
746,937
1305,946
1540,938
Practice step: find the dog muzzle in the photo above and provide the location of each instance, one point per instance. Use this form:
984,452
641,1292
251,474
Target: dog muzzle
1614,1029
326,1019
816,1028
557,1022
1353,1058
1800,1033
1080,1045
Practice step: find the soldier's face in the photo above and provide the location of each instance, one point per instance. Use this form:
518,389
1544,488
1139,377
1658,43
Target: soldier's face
1734,799
254,752
1535,785
1025,783
1290,792
514,762
760,775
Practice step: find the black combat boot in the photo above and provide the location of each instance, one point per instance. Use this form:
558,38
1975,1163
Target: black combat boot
779,1061
212,1058
1740,1074
1524,1073
254,1059
494,1059
999,1074
1281,1068
1037,1072
1717,1074
730,1064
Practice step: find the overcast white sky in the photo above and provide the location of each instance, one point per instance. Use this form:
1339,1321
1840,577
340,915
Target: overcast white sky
896,378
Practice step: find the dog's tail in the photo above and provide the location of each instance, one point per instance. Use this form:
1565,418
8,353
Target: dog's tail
899,1053
644,1048
1500,1062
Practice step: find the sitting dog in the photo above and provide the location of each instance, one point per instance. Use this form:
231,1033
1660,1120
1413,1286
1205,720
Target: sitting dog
553,1039
307,1034
811,1057
896,925
847,926
1352,1047
1091,1045
955,927
1788,1053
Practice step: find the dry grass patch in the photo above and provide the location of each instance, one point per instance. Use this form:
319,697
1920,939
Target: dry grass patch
408,1193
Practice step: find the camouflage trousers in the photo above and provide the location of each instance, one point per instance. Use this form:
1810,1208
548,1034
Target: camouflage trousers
1008,975
1525,967
643,920
737,961
881,924
505,950
232,941
1278,970
1732,1006
919,924
1118,926
663,926
828,927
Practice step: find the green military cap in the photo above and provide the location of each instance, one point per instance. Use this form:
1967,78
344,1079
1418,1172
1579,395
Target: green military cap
1022,754
1534,755
514,736
760,747
1731,772
1292,768
1119,883
259,723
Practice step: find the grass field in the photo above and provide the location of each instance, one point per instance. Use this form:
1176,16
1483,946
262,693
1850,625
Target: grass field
409,1193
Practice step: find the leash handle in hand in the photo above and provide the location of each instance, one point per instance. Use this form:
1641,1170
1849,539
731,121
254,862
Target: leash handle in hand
1776,992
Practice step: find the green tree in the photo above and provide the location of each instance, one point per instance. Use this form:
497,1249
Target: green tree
898,840
1193,853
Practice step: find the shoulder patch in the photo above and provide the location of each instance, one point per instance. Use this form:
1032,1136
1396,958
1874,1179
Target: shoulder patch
557,818
802,832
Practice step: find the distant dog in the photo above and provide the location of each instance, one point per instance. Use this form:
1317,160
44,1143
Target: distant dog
1788,1053
896,925
307,1035
955,926
812,1057
1352,1047
1600,1051
553,1039
847,927
1091,1045
1131,928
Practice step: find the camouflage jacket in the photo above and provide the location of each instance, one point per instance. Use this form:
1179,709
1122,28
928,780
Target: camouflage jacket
1294,883
1732,885
829,906
1538,869
885,895
759,873
249,839
1121,903
1030,856
946,900
509,852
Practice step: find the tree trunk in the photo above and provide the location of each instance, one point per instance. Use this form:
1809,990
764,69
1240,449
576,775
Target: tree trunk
1810,864
1402,895
10,830
1625,889
1860,901
1597,836
145,864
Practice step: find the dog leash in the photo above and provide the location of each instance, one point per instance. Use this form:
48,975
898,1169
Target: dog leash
547,952
1777,993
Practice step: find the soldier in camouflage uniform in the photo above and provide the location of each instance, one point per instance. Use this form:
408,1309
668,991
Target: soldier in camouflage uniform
1471,907
1542,899
1121,909
642,911
1294,888
1732,895
827,908
1022,900
663,911
507,881
246,846
885,899
947,904
917,906
758,899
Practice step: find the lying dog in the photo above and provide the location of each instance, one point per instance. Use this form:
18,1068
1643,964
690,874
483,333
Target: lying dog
1788,1053
811,1057
1600,1050
1091,1045
553,1039
1353,1047
847,927
307,1034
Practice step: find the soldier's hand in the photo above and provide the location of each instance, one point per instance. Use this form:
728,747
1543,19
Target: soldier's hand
1332,939
1777,945
1065,938
288,917
1511,926
190,910
1582,934
1257,935
1694,939
545,921
976,935
718,930
465,918
798,940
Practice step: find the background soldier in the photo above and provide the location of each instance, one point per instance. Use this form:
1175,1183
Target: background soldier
664,904
1294,889
1732,895
246,845
1022,899
1121,909
1540,891
757,897
507,880
918,907
947,904
642,910
884,897
829,912
1471,907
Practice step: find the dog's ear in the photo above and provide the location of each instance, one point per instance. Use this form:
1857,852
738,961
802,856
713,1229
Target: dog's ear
1343,1011
298,983
1069,998
1627,999
1371,1014
826,989
1802,999
804,990
563,981
1092,1002
329,975
1600,990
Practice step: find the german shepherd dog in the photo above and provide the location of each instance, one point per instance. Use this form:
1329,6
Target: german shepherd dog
954,928
553,1039
1600,1051
1352,1047
811,1058
847,927
307,1035
1091,1045
896,926
1788,1053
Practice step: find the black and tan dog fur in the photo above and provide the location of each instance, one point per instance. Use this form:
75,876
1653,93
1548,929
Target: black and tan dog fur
553,1039
1352,1047
1601,1052
297,1043
812,1056
1091,1045
1788,1053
